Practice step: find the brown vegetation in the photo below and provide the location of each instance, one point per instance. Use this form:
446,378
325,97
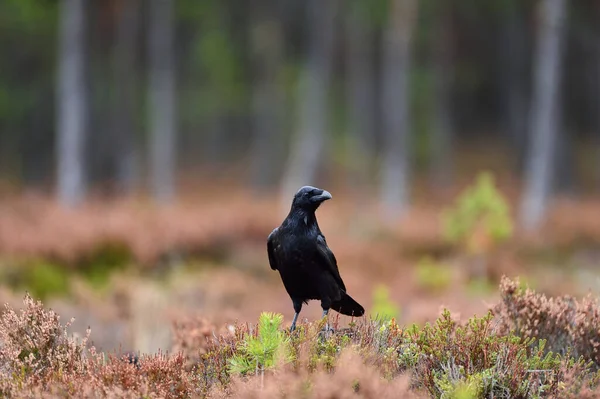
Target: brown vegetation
37,227
478,358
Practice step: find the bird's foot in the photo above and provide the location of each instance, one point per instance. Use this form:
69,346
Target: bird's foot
327,332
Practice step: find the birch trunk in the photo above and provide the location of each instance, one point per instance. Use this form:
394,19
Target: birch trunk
396,105
162,100
543,118
72,103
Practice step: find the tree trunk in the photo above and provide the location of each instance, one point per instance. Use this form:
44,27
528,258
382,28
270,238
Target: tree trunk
125,131
396,105
267,98
162,101
307,145
72,103
544,108
596,108
514,81
361,97
441,143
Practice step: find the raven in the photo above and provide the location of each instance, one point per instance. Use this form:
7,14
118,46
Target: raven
308,268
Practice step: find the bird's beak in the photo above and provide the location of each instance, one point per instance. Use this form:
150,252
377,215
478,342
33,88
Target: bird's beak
324,196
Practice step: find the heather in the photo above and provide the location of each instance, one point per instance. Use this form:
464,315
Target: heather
525,347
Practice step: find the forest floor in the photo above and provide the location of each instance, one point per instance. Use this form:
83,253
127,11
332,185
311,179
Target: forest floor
138,274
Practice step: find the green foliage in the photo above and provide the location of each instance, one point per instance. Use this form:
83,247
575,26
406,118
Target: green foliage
44,279
478,286
432,276
383,307
264,350
469,389
473,361
107,258
480,217
324,352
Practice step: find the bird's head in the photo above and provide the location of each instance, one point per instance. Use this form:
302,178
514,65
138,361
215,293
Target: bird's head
309,198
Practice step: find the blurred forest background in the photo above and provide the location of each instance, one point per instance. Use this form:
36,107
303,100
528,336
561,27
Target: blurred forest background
157,132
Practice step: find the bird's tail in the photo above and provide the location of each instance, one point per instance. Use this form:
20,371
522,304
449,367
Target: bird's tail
348,306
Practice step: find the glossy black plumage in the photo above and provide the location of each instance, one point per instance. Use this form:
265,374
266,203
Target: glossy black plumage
308,268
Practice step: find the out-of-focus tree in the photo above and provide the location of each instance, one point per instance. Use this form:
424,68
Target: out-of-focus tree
514,53
220,88
124,129
442,131
360,93
597,119
594,96
267,95
162,152
544,109
72,103
396,64
27,80
237,67
308,142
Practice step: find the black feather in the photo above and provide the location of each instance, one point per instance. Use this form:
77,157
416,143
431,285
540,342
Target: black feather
308,267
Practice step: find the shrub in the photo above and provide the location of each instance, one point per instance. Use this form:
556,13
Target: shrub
497,356
34,345
567,324
195,336
480,217
352,378
263,350
473,359
38,358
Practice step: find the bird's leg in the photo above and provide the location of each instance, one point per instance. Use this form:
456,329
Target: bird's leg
325,314
293,327
297,308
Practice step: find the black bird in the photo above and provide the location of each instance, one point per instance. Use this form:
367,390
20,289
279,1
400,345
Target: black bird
308,268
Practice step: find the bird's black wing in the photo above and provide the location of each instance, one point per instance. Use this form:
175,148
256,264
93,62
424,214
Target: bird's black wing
327,259
271,245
